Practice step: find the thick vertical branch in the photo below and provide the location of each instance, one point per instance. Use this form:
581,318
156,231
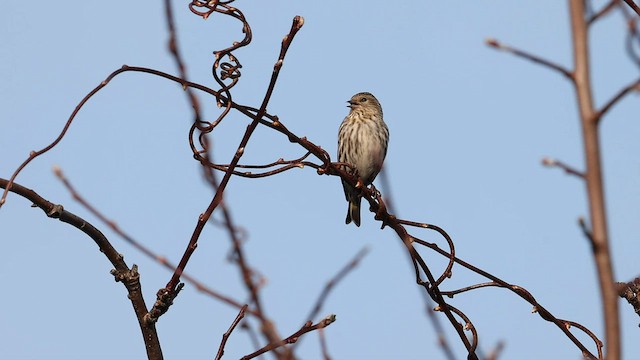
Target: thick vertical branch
593,176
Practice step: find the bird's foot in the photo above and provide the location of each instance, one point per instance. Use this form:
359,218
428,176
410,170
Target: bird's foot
381,213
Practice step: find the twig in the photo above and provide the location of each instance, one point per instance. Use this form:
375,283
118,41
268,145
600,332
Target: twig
323,345
439,329
605,10
551,162
130,278
536,59
308,327
173,282
634,86
495,353
226,335
146,251
633,6
267,327
586,232
246,326
350,266
175,52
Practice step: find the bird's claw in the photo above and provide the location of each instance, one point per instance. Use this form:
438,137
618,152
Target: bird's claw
381,213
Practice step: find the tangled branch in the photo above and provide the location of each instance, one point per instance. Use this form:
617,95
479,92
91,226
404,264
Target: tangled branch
226,72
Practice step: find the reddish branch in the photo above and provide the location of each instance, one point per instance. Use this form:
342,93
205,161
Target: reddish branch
229,71
633,6
550,162
589,119
533,58
605,10
129,277
307,327
175,52
350,266
145,250
226,335
335,280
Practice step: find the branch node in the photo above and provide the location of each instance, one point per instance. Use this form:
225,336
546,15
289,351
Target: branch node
164,299
55,211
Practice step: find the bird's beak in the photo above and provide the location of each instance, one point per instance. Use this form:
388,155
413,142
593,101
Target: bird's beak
351,103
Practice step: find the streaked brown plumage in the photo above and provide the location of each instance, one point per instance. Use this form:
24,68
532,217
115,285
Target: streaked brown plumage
362,142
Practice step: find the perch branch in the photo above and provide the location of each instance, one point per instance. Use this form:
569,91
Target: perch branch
130,278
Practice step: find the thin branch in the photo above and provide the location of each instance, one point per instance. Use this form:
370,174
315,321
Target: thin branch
308,327
226,335
439,329
495,353
267,327
323,345
175,52
551,162
143,249
525,55
634,86
633,5
173,282
605,10
586,231
130,278
350,266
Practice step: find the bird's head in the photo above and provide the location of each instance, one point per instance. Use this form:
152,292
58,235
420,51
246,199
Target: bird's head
364,100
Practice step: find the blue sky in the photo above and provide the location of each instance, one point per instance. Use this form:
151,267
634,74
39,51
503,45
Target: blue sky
468,125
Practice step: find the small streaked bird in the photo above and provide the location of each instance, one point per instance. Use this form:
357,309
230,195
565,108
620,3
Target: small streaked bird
362,142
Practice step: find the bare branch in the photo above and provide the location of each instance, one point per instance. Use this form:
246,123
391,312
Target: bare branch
536,59
495,353
130,278
323,345
586,231
175,52
335,280
173,282
634,86
633,5
551,162
593,177
143,249
605,10
308,327
226,335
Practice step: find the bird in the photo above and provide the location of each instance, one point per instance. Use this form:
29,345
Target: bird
362,142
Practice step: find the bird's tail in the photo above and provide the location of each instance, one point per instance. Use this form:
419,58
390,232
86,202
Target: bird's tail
353,212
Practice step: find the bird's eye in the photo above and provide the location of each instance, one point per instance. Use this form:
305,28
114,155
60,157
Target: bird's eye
363,99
